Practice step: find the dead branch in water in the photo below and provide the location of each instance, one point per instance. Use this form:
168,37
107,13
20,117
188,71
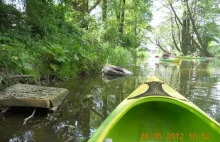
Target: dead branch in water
4,110
32,115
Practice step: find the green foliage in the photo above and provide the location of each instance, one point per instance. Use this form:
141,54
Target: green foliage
8,16
214,49
211,33
57,40
111,33
129,41
120,56
137,16
141,53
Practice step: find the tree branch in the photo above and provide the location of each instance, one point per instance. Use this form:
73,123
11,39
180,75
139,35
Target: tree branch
176,15
174,40
94,6
32,115
157,44
179,36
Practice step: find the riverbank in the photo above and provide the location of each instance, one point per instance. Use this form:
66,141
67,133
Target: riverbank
46,42
49,66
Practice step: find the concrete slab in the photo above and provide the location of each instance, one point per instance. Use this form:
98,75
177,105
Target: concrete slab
26,95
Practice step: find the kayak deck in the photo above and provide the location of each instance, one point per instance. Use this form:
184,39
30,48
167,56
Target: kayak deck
154,112
161,122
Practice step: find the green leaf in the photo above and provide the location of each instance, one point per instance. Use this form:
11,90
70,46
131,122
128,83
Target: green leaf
60,59
76,57
54,67
27,66
7,48
58,49
48,51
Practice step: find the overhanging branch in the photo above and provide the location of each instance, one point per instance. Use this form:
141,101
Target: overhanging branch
94,6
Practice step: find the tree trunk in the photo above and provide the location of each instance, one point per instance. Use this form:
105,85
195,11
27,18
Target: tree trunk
75,5
186,37
184,46
118,11
104,10
121,28
80,5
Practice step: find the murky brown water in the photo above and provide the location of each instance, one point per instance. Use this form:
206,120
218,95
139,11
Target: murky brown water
91,99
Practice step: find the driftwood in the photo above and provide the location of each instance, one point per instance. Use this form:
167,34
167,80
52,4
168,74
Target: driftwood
7,76
115,71
21,76
4,110
32,115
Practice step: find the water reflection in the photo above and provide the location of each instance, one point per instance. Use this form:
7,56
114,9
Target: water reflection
91,99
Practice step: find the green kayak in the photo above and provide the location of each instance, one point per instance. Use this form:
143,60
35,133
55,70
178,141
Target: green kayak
154,112
190,57
171,59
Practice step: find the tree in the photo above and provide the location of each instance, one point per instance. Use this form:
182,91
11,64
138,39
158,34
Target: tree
190,22
188,30
127,21
202,48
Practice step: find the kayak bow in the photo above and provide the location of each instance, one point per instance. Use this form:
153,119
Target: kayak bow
154,112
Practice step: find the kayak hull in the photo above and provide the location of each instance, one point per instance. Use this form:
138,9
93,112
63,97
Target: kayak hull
169,117
170,59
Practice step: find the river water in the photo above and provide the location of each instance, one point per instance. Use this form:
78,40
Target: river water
92,98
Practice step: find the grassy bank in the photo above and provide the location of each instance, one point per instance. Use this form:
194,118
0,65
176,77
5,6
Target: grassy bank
46,60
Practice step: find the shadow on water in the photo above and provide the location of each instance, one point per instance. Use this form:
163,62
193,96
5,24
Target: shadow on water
91,99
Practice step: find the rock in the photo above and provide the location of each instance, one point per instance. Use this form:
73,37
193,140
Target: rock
115,71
